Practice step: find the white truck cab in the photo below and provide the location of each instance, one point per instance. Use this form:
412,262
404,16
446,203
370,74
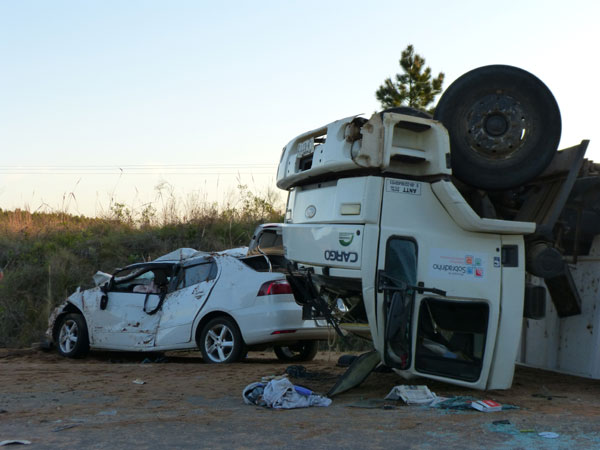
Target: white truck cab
395,250
439,237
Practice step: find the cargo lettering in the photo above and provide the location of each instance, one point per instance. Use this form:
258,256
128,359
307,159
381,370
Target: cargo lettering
335,255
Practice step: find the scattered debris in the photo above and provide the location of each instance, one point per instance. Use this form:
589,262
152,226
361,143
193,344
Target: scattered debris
382,368
65,427
412,395
158,359
547,394
486,405
14,441
463,403
78,420
374,403
501,422
282,394
346,360
298,371
358,372
138,381
548,434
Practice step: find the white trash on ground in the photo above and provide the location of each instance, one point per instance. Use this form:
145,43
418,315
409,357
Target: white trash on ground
548,434
412,395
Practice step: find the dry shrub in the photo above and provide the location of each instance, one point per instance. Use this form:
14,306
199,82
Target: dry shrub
45,256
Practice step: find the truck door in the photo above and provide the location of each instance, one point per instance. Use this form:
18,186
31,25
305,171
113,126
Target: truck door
438,296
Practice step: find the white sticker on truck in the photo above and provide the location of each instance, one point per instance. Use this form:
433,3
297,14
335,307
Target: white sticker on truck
454,264
403,186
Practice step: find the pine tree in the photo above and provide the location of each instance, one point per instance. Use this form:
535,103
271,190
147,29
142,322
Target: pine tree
414,87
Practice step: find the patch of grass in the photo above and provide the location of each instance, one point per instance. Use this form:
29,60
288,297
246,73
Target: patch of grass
46,256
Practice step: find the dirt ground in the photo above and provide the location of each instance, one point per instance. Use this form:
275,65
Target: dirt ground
93,403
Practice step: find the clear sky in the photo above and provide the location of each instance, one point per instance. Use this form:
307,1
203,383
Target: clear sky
107,99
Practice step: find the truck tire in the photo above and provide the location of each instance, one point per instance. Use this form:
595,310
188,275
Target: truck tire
504,126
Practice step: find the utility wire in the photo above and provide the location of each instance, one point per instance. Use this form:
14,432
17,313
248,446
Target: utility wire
139,169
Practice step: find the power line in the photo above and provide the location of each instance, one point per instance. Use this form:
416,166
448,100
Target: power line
140,169
141,165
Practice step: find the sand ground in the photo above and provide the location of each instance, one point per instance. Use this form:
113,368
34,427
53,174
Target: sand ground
93,403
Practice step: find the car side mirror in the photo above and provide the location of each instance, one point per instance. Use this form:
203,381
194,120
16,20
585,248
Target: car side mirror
104,289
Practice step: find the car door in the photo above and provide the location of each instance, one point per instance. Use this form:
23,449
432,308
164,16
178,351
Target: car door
180,308
129,314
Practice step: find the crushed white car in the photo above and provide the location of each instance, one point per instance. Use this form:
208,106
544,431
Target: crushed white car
222,304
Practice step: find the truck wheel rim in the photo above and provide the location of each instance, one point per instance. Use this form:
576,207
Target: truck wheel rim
69,333
497,126
219,343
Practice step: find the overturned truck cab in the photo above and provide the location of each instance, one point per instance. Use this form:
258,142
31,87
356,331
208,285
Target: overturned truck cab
390,244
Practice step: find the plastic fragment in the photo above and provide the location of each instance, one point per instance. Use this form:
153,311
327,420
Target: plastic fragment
548,434
65,427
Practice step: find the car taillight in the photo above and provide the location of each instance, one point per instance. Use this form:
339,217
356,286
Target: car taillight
275,287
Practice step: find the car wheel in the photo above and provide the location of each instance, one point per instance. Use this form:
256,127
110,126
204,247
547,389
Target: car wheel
221,341
504,126
72,337
303,351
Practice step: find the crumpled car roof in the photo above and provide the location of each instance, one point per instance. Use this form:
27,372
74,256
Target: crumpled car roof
181,254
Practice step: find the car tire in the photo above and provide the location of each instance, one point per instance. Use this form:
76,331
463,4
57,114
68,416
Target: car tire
504,126
221,341
302,351
72,338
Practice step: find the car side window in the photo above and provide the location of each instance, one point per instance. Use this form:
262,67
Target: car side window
271,242
198,274
142,280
